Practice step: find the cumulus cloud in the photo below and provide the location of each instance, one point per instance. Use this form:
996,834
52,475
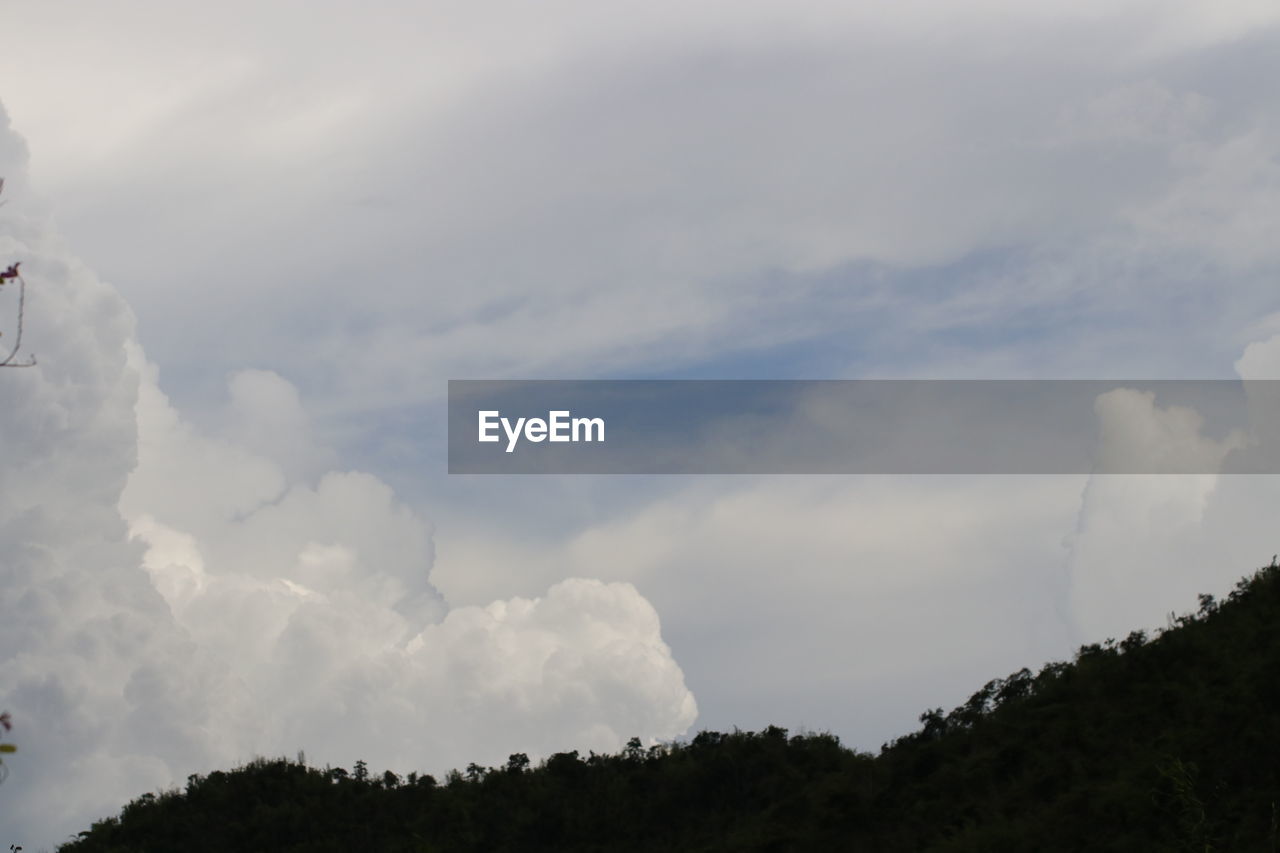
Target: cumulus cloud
318,598
1136,434
1146,546
177,600
372,203
841,603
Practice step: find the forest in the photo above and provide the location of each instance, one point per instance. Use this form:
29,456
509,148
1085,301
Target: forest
1150,743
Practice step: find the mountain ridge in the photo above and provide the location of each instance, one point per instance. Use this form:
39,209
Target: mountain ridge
1165,742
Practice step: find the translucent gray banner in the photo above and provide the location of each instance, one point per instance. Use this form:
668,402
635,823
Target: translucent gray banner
863,427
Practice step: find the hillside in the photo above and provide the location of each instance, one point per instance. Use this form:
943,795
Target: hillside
1147,744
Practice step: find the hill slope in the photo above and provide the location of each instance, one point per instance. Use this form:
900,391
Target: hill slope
1171,743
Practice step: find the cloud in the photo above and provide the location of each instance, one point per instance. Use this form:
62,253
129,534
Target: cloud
1224,201
842,603
1136,434
177,600
659,188
1146,546
363,205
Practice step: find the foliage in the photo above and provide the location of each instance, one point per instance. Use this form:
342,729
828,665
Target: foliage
1150,744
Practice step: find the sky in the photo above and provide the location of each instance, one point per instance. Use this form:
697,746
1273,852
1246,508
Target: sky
259,239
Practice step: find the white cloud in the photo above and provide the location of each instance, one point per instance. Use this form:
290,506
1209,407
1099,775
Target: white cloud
849,603
1147,546
1136,434
368,203
177,601
656,186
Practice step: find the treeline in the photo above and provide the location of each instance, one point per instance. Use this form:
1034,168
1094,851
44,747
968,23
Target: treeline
1148,744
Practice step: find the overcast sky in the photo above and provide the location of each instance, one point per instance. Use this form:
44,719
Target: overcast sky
259,238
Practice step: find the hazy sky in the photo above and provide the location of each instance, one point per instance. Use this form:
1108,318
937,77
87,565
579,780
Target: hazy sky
259,238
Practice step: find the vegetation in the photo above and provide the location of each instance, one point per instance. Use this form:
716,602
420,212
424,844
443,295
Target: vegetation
1161,744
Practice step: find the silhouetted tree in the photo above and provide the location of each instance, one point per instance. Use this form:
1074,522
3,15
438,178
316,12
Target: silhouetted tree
1148,744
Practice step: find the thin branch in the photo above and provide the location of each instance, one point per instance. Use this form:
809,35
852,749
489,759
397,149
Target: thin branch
17,344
